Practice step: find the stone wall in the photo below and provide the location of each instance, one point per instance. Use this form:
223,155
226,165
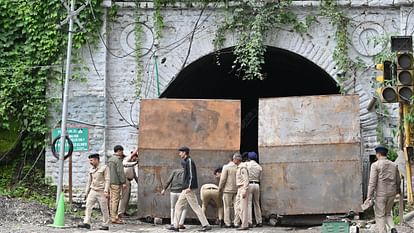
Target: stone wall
106,101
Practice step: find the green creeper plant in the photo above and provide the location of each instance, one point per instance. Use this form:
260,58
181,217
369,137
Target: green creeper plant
250,20
32,47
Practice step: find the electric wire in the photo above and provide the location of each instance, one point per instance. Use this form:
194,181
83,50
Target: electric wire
134,50
109,93
192,37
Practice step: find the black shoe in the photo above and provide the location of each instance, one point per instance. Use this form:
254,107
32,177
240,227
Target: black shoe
84,225
242,228
221,224
259,225
104,228
172,228
228,226
205,228
250,225
393,230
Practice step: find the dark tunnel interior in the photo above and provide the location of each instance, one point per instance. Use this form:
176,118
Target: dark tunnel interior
287,74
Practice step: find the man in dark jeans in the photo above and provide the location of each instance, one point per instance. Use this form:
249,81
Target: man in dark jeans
187,195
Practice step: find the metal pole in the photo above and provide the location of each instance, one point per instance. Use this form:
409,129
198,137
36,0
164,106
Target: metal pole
401,147
70,181
65,102
407,161
157,75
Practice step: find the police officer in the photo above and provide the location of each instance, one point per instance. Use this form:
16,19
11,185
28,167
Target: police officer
129,164
210,193
242,182
97,190
255,174
384,184
228,188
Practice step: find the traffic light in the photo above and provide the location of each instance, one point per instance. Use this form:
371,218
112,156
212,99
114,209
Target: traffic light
388,94
386,68
405,76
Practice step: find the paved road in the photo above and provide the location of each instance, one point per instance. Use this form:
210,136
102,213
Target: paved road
133,225
144,227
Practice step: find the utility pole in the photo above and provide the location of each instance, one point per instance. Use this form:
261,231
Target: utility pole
406,154
65,101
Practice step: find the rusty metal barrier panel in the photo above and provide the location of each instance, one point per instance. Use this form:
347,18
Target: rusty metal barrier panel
211,128
310,151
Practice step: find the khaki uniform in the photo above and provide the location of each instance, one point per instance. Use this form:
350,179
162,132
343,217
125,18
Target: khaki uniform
255,175
242,182
117,179
384,184
228,187
210,192
97,186
129,170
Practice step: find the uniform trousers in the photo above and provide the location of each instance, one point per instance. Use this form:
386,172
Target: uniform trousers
93,197
115,197
189,197
125,196
228,206
174,198
382,209
242,207
254,200
208,195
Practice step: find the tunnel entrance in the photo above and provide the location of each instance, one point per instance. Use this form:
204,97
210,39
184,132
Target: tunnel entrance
287,74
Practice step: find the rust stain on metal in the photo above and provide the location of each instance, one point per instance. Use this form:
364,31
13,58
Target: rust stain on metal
309,148
203,124
211,128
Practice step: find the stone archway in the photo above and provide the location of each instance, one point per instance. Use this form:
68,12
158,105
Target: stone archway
287,74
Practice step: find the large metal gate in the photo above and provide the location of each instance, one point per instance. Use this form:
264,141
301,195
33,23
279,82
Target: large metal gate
309,148
211,128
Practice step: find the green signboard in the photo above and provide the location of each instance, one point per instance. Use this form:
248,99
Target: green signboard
78,136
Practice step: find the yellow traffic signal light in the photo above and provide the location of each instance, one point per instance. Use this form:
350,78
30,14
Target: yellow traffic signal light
385,67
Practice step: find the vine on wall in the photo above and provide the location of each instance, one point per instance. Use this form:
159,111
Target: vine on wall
32,46
138,44
250,20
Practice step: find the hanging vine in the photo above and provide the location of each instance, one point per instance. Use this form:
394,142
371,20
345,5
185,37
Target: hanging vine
32,46
138,32
251,20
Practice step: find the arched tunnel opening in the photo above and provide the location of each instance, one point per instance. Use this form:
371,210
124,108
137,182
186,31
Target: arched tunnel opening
287,74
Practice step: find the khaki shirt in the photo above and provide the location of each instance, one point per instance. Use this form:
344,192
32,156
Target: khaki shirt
242,177
98,179
255,171
384,179
227,182
129,169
